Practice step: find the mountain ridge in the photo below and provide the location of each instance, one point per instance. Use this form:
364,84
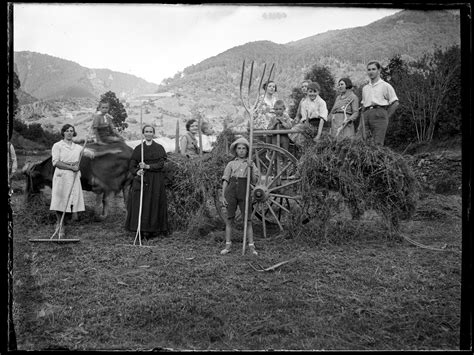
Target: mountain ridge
211,87
48,77
409,33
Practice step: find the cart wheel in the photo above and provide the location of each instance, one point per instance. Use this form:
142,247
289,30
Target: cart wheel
278,192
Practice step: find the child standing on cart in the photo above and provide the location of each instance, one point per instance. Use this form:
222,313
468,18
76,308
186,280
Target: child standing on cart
280,120
234,185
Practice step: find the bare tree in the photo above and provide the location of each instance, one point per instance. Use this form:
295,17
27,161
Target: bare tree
425,87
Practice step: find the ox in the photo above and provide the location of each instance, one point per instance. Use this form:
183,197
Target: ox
105,175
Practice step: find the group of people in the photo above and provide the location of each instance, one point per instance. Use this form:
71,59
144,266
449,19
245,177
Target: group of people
379,102
146,165
148,194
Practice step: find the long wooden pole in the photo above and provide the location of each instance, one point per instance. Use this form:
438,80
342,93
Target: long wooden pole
249,176
176,143
139,226
247,191
200,135
226,143
251,111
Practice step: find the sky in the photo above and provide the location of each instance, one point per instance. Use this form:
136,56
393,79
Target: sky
155,41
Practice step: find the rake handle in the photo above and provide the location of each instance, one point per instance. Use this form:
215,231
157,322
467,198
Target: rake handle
251,111
139,226
70,192
247,189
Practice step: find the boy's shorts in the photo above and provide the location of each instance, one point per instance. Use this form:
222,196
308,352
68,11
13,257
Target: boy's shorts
235,196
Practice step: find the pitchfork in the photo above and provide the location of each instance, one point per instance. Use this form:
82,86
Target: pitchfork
251,108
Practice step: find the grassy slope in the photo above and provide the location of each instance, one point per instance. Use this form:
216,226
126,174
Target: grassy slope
359,290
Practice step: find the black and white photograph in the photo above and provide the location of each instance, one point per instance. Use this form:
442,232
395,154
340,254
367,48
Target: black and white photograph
238,177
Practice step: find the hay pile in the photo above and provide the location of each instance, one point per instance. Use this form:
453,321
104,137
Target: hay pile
34,211
193,184
367,176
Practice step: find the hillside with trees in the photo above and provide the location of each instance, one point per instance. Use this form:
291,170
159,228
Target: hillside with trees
409,34
68,91
47,77
406,32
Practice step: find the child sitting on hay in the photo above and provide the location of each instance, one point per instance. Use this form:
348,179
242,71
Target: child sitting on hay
234,185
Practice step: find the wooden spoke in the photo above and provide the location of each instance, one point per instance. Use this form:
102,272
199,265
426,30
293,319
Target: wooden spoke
280,210
263,221
260,161
257,159
270,166
296,197
280,205
298,202
283,186
287,202
254,210
274,215
281,172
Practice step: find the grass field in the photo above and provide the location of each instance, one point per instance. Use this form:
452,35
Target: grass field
357,289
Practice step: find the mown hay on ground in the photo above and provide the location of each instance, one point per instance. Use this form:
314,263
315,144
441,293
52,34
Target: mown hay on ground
367,176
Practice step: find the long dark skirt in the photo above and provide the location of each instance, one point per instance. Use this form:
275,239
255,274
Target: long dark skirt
154,217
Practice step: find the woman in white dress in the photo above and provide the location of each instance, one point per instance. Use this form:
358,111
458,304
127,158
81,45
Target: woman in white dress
65,158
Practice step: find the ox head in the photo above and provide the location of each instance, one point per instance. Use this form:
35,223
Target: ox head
38,175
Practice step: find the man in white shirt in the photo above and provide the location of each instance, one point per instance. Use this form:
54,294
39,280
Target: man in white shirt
379,102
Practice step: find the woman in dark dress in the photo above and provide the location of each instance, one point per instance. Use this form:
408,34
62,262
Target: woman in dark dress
154,219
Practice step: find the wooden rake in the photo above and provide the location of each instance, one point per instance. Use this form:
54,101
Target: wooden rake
250,108
138,235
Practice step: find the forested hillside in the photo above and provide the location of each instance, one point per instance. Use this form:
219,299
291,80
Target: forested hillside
211,87
47,77
344,52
